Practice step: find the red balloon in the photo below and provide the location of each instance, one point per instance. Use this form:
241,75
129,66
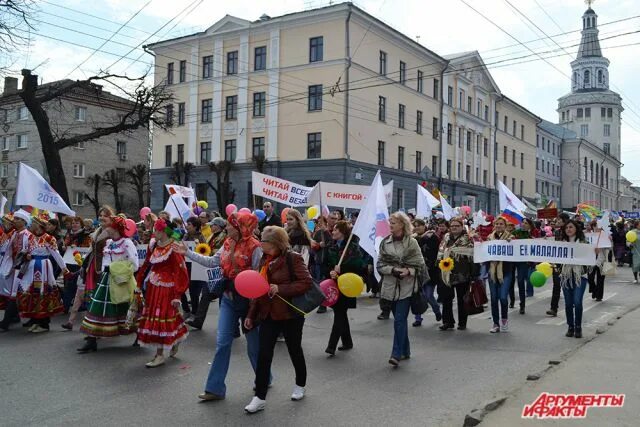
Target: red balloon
250,284
245,211
331,292
130,228
283,215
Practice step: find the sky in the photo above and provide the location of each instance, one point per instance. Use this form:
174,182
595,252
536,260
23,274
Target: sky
67,32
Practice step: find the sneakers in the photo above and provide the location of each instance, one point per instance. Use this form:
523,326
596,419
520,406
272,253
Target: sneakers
417,323
495,329
298,393
635,281
38,329
383,316
157,361
504,325
68,326
552,312
256,405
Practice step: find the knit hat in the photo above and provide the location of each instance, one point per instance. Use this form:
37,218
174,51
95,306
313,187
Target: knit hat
220,222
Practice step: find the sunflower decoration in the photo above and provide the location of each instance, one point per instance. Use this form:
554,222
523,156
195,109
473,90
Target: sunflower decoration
203,249
446,264
203,204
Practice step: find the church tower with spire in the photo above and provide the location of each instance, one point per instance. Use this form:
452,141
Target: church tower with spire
591,162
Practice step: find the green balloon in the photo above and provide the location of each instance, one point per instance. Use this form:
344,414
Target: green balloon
537,279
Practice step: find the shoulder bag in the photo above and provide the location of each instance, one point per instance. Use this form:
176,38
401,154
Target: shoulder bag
308,301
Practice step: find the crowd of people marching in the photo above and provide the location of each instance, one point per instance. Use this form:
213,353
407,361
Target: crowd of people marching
107,291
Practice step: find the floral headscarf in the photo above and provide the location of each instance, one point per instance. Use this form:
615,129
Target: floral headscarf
238,254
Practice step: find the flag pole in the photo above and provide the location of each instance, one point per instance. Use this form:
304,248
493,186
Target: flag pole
345,249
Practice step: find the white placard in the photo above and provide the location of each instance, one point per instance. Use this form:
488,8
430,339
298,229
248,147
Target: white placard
534,250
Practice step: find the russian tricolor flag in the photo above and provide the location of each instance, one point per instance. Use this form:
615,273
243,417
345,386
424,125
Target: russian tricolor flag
514,217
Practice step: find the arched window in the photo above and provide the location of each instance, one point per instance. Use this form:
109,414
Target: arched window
600,79
597,175
575,78
591,169
587,77
586,176
606,182
601,175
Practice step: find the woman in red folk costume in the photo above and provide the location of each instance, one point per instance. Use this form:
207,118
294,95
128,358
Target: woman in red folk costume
161,325
38,294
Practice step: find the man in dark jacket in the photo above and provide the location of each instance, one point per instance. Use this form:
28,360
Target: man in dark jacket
272,217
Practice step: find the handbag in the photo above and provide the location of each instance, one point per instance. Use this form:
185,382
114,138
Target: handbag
608,269
419,303
473,298
216,282
311,299
479,293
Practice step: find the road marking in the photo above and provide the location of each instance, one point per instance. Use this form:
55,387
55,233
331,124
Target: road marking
537,297
604,317
561,320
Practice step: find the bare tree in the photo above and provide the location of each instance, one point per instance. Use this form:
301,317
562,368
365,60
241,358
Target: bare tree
138,177
145,108
112,180
16,17
182,173
259,163
225,194
95,182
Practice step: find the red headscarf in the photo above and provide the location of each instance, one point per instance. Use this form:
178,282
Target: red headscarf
120,224
243,250
485,230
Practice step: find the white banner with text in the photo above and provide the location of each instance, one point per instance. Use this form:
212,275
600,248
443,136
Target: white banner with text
534,250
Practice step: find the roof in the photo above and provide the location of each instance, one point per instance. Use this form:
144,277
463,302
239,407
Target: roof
590,45
589,12
556,130
458,58
526,110
459,55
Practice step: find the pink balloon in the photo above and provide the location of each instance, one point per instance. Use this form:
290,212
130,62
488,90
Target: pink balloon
130,228
231,208
250,284
245,211
144,212
331,292
466,209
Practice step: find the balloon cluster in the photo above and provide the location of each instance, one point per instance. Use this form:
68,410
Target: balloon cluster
539,277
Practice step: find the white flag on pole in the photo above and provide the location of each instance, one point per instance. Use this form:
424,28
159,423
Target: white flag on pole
177,208
447,210
3,203
508,200
425,202
372,224
34,191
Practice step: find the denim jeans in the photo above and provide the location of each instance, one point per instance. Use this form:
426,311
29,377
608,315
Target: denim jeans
524,286
400,311
429,289
500,293
573,303
228,319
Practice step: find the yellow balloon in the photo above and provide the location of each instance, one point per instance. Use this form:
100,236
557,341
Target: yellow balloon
350,284
631,236
312,212
545,268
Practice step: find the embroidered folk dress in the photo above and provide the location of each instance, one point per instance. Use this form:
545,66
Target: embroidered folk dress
161,325
104,318
38,295
18,243
6,263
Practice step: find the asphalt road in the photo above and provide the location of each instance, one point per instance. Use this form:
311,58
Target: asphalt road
44,382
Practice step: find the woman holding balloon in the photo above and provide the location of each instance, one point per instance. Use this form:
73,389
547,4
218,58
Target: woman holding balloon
343,257
285,276
241,251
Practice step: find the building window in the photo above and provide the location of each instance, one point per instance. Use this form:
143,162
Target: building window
521,187
513,129
207,67
5,144
419,122
587,78
603,112
506,123
170,73
479,108
522,132
553,147
232,62
477,181
181,112
182,75
315,98
231,111
205,153
316,49
207,107
259,103
587,113
380,153
607,130
436,87
542,165
513,185
403,73
585,164
22,141
460,137
435,127
201,191
78,170
400,198
434,165
450,96
420,82
258,147
584,130
4,170
314,142
461,99
401,158
260,58
383,64
468,140
486,113
382,108
609,113
230,150
469,102
121,148
505,154
78,198
485,147
167,156
418,161
169,114
449,134
563,116
513,157
449,169
606,147
467,174
484,177
521,160
181,154
401,116
579,113
80,114
478,139
459,174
